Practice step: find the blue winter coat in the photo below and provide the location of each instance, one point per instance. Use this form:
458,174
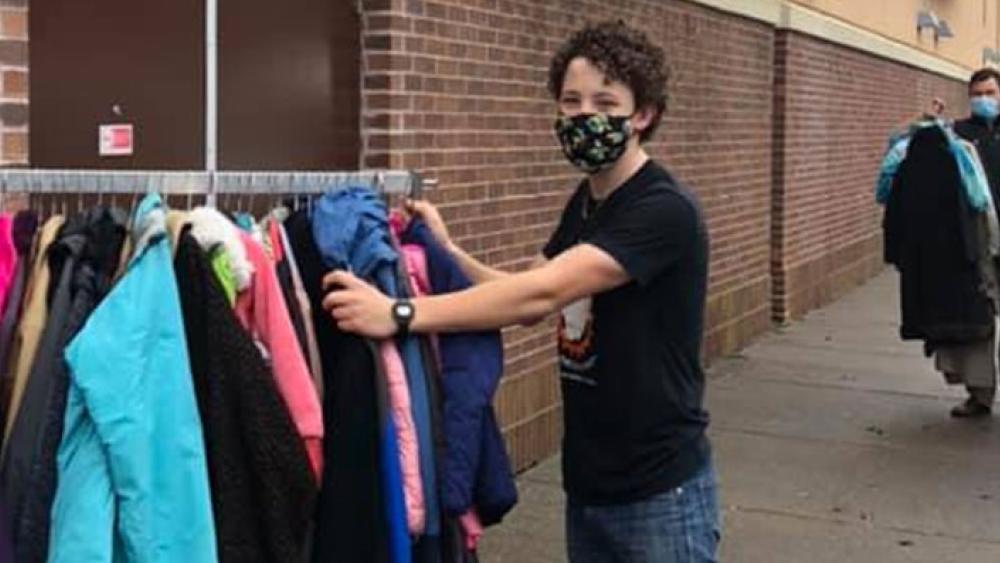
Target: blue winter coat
133,483
476,470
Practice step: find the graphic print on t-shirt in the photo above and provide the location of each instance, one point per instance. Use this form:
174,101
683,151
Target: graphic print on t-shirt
576,343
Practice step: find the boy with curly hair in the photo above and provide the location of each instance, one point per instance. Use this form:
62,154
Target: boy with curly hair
626,268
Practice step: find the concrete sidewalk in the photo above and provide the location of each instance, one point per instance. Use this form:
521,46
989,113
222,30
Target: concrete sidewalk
833,445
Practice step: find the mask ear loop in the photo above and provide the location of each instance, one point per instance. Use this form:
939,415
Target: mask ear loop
629,127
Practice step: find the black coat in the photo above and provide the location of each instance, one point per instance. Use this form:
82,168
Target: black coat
350,518
82,261
263,490
930,233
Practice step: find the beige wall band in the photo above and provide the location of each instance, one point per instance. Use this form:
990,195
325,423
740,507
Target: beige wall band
785,15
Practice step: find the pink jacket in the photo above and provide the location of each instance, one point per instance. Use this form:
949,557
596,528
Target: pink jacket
262,311
414,257
406,432
8,256
406,435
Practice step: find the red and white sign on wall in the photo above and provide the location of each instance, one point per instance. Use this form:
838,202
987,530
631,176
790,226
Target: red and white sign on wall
117,140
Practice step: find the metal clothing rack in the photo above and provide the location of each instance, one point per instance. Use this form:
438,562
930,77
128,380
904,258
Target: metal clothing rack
209,184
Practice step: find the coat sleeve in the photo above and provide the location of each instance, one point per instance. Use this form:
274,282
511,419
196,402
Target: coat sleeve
83,515
406,435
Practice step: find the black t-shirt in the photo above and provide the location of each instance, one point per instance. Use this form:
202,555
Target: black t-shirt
632,380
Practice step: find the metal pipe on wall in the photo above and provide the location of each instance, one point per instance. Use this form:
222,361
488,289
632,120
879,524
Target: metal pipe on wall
211,84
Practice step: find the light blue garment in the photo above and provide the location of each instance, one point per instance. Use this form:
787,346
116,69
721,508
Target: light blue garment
985,107
992,221
973,179
244,221
351,229
977,186
133,482
893,158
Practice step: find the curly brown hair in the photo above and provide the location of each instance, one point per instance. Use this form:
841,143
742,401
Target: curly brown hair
624,54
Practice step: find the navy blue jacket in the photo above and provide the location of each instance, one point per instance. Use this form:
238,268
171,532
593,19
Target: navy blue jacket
475,470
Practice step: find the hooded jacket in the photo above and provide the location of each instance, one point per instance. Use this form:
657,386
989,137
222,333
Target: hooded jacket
476,471
133,480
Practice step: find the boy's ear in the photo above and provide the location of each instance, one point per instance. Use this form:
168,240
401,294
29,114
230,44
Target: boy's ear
643,118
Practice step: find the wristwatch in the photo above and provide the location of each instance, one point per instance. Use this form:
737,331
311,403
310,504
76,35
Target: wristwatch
402,313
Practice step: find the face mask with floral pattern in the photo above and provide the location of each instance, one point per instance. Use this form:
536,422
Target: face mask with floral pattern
593,141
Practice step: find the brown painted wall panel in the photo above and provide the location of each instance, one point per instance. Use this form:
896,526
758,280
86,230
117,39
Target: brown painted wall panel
145,55
289,85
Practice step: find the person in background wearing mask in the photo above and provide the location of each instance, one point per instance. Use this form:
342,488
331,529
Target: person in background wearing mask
627,268
981,129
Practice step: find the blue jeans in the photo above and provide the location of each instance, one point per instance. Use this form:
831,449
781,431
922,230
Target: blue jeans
678,526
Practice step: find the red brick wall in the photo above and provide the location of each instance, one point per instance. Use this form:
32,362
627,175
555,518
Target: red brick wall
834,107
456,88
717,140
13,81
